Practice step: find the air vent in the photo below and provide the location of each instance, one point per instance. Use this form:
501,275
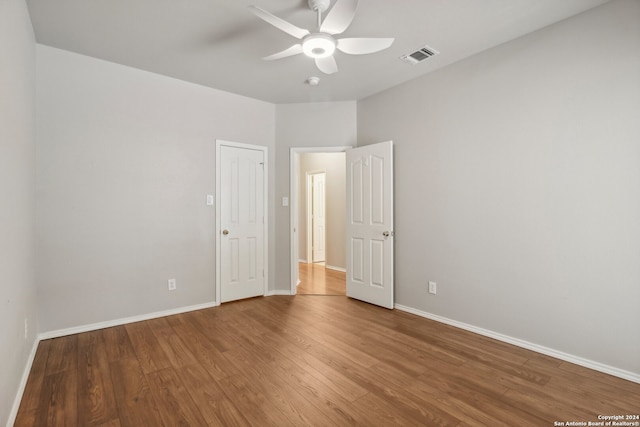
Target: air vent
419,55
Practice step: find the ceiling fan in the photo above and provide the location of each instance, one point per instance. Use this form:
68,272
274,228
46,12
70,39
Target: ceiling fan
321,45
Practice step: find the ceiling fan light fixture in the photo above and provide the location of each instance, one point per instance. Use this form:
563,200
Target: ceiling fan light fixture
318,45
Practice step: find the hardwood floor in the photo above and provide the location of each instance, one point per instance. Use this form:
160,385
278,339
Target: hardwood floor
316,279
306,360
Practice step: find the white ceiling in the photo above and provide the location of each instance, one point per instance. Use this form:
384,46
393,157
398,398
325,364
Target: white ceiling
219,43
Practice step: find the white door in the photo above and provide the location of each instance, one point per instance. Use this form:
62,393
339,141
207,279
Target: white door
370,224
241,195
318,216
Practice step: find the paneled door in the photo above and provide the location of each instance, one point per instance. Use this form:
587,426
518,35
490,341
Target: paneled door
370,224
242,225
318,218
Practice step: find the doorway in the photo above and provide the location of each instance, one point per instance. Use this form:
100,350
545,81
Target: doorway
325,276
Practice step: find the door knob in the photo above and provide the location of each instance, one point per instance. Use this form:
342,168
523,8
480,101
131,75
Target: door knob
225,232
385,234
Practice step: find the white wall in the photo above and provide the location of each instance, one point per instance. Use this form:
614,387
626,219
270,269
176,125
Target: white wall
333,164
329,124
17,190
517,186
125,158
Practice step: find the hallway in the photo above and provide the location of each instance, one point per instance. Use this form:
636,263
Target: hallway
316,279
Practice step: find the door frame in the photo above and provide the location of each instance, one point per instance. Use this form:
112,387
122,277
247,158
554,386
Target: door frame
310,192
294,169
265,201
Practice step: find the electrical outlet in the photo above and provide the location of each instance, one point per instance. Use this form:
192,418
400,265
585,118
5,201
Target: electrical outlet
432,287
26,328
172,284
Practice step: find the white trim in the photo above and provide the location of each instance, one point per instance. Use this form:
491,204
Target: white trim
23,384
265,262
596,366
333,267
293,203
278,292
117,322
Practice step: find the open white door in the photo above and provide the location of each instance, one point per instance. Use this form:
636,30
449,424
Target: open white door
242,224
318,219
370,224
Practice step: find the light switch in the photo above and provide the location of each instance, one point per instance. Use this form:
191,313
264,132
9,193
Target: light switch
285,201
209,199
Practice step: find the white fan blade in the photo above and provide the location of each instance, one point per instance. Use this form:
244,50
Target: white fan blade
293,50
339,17
327,65
361,46
279,23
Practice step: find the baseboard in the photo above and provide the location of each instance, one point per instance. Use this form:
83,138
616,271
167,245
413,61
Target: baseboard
302,261
332,267
278,292
596,366
23,384
101,325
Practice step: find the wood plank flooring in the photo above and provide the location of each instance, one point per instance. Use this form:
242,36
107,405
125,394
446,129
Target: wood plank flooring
307,360
316,279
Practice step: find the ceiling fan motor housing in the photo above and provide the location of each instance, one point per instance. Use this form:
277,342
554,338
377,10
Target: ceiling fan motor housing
321,5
